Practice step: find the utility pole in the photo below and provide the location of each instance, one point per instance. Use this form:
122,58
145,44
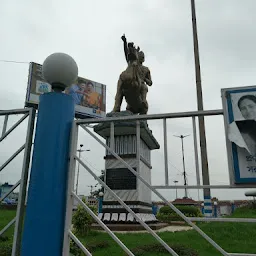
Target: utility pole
183,161
203,147
78,167
175,182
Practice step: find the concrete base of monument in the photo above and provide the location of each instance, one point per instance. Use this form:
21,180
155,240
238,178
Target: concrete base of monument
130,226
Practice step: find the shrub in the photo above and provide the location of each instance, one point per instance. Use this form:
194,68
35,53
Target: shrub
74,249
91,247
5,249
253,205
97,245
167,214
4,238
165,210
181,250
82,220
168,217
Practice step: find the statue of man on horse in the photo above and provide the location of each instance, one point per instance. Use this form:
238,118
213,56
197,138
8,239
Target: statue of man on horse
134,81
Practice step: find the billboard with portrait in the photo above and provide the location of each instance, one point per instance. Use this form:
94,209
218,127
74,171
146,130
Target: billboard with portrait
239,105
89,96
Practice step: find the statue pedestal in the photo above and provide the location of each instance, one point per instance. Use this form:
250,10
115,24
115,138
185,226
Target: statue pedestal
120,179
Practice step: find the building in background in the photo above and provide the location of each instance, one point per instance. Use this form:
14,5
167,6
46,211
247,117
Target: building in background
90,200
12,198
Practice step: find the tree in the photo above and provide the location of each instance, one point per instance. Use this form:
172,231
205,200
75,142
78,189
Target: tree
82,220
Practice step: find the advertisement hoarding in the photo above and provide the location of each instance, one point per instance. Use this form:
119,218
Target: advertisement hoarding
89,96
239,106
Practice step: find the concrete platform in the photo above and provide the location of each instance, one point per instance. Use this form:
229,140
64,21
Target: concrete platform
135,228
130,227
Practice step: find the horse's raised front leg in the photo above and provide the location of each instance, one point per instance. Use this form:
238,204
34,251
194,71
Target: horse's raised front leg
119,96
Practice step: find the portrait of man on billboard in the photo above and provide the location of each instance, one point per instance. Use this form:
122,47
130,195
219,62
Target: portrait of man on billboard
85,94
91,97
76,91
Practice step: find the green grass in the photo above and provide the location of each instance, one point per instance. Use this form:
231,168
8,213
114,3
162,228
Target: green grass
5,217
244,212
233,237
238,237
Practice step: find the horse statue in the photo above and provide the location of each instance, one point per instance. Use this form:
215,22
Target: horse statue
132,83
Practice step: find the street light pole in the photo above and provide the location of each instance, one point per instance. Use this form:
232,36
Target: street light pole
78,167
204,158
183,161
184,169
91,186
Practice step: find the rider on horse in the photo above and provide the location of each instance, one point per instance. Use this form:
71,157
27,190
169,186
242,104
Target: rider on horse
136,75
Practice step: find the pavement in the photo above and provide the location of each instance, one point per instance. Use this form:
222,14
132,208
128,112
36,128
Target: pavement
165,229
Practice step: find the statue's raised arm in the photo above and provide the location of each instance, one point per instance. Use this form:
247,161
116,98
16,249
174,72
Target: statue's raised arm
125,47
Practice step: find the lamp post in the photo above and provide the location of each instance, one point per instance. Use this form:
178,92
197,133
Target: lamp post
78,167
175,182
232,206
101,194
215,209
43,231
183,161
202,207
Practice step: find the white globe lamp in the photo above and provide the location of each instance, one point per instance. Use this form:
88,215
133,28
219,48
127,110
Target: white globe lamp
101,194
60,70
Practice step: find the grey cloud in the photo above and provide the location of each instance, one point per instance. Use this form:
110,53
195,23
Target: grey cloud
30,31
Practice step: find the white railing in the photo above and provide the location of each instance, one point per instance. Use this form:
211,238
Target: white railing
18,220
85,123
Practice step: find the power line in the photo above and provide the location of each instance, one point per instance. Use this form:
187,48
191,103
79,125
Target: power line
110,93
14,61
90,164
175,167
221,182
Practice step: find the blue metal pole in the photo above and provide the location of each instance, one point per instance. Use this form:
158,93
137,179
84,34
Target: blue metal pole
100,204
154,209
215,211
202,209
207,206
232,207
46,204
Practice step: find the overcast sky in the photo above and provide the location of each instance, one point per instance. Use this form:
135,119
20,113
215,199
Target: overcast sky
90,31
